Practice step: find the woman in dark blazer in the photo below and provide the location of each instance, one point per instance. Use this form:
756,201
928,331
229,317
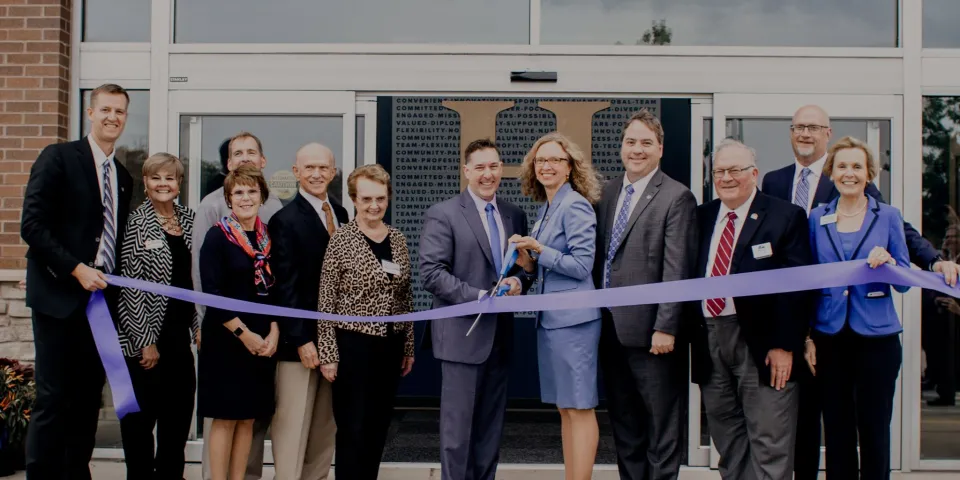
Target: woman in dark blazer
155,331
854,345
561,250
366,272
237,367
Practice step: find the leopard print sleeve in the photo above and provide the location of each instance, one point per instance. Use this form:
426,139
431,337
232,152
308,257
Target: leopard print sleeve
328,302
404,302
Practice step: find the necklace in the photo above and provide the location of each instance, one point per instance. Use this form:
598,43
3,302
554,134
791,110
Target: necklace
171,224
854,214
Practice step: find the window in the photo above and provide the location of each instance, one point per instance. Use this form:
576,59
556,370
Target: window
812,23
939,314
355,21
771,140
132,147
940,24
116,21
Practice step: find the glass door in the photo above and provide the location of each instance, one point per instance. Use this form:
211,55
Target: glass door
762,122
201,122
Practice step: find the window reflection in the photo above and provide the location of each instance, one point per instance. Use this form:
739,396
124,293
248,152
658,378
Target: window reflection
281,136
133,145
771,140
940,24
116,20
764,23
355,21
939,429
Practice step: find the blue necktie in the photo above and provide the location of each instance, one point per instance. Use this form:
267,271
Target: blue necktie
616,234
495,249
801,198
109,229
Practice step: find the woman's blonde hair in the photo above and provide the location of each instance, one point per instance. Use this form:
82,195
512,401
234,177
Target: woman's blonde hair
583,178
160,161
848,143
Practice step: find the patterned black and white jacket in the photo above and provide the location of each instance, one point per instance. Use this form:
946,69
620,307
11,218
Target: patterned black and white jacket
141,313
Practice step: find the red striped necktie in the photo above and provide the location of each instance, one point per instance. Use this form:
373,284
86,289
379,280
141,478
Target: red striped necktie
721,262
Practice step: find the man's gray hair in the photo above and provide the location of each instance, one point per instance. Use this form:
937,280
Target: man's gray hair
730,142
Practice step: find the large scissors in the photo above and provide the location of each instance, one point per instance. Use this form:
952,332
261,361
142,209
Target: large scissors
498,288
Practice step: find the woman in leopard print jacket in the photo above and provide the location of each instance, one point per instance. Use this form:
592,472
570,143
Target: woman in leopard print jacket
366,272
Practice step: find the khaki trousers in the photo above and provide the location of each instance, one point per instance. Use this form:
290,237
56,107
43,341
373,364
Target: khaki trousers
303,430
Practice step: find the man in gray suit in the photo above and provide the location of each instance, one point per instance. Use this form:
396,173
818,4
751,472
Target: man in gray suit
461,250
646,233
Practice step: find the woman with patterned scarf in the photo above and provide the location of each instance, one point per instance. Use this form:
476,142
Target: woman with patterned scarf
237,368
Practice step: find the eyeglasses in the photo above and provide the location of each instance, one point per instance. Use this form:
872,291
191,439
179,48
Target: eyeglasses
554,161
797,129
734,171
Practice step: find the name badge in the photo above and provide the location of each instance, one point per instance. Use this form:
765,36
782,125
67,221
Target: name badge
390,267
828,219
764,250
153,244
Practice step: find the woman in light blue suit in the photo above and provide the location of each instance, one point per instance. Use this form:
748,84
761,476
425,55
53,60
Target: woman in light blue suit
561,250
854,347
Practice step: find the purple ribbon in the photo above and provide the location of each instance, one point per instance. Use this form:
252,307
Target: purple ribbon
108,345
811,277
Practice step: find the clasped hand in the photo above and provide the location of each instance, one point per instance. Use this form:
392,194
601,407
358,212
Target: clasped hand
257,345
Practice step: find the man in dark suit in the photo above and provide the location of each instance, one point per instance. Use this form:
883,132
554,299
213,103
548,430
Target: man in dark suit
645,234
461,249
801,184
74,212
303,428
745,348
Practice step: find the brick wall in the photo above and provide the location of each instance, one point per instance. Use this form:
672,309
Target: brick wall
16,331
34,104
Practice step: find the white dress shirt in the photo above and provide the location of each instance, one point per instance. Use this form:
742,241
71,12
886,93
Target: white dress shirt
813,179
100,158
317,205
741,211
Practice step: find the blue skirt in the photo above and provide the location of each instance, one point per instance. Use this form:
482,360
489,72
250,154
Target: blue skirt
567,358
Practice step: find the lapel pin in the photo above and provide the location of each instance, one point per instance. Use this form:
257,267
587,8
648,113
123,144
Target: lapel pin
754,216
649,197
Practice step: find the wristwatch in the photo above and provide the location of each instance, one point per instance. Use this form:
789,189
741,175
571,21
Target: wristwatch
238,331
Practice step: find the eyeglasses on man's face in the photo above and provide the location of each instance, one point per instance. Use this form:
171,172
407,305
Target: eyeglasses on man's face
733,171
798,129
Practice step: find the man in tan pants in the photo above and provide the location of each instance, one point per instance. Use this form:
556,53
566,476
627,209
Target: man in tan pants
303,429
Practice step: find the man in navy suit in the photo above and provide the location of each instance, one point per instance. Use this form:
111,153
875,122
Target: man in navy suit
801,183
74,212
746,350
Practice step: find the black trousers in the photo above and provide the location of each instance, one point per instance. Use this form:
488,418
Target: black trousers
165,395
69,380
858,376
364,393
806,463
644,399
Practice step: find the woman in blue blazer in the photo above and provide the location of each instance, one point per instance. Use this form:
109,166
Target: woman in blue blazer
855,346
561,250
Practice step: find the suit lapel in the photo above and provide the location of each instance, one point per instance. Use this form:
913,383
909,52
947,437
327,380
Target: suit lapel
88,165
869,218
470,213
755,217
646,196
311,218
832,233
610,211
825,191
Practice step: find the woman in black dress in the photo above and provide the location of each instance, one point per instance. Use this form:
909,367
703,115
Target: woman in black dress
237,368
156,331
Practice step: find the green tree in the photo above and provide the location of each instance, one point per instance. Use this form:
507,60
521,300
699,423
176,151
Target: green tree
658,34
941,118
